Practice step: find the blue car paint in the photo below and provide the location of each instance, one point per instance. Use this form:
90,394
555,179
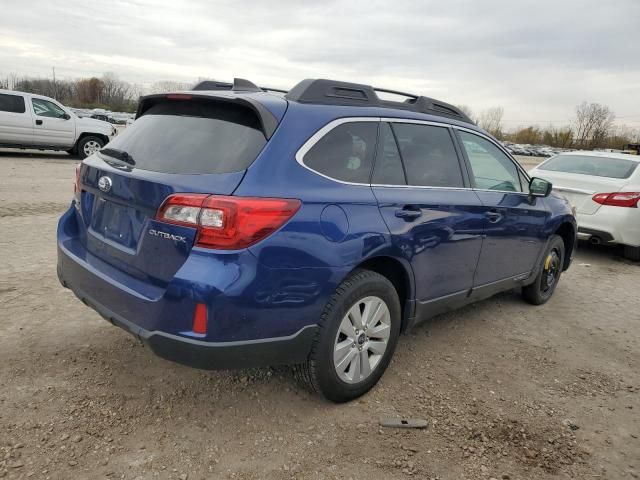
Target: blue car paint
279,286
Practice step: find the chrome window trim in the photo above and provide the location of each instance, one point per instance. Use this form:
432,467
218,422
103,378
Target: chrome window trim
424,187
503,150
315,138
420,122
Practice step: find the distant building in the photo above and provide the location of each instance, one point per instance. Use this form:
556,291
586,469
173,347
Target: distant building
635,147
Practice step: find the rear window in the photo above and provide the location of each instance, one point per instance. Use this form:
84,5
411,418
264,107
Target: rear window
346,152
586,165
190,137
11,103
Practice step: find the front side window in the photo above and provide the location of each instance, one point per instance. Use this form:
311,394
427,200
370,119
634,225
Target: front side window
429,157
595,166
44,108
11,103
346,152
492,169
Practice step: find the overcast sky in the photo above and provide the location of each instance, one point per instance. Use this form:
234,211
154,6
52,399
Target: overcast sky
537,59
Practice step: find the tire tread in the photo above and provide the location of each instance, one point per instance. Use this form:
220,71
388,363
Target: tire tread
307,373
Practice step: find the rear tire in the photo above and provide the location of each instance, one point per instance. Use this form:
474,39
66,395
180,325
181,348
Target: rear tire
632,253
88,146
358,333
541,290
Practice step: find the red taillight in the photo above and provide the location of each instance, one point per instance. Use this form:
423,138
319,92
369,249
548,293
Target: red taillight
76,184
226,222
179,96
618,199
200,319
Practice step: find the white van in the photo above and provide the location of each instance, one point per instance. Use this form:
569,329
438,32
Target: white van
34,121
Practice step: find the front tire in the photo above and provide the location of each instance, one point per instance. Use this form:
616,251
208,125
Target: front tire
88,146
632,253
541,290
359,330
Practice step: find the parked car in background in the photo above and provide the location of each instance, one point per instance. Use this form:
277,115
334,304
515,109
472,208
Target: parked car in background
34,121
309,229
605,189
104,117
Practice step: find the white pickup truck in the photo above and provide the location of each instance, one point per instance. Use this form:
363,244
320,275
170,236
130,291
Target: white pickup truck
33,121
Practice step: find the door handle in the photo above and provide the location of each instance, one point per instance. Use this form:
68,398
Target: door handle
38,122
408,213
494,216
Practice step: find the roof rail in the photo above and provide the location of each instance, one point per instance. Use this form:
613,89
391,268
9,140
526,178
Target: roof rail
333,92
238,85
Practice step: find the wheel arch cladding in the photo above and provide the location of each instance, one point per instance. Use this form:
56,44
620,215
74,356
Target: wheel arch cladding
83,135
399,275
568,235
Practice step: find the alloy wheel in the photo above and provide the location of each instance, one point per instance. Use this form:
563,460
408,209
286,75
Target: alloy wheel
91,147
362,339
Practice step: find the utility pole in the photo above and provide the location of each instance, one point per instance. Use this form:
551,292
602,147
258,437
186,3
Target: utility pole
55,88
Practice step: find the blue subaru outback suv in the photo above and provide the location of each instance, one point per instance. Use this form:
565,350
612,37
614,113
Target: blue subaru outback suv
231,227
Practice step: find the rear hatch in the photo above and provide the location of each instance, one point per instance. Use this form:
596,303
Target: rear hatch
179,143
580,177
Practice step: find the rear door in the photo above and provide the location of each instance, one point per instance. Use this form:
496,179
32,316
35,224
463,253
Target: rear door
190,146
16,125
52,126
435,219
514,221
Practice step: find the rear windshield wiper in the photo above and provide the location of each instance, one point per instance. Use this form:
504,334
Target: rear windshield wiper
118,155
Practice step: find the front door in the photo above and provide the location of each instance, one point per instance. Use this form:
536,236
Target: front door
52,125
435,220
514,221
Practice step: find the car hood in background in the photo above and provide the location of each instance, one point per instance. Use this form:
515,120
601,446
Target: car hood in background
97,126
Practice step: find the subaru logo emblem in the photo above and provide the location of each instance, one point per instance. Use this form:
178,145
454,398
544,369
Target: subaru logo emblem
104,184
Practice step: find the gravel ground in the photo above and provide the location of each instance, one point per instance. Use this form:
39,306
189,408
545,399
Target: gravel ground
510,391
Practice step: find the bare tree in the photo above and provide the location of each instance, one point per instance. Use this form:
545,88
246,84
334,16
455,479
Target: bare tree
491,121
593,124
115,92
530,135
166,86
558,136
468,112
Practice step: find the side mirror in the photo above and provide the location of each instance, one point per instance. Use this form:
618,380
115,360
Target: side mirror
539,187
66,116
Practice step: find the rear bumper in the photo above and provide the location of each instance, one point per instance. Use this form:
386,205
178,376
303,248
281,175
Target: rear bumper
611,225
211,355
257,315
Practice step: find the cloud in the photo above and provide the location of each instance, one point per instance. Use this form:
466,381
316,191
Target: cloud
537,59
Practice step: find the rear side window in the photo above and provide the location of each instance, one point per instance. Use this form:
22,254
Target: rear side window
429,157
12,103
346,152
388,169
191,137
586,165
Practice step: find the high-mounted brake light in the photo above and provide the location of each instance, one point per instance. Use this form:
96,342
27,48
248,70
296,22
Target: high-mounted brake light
179,96
225,222
618,199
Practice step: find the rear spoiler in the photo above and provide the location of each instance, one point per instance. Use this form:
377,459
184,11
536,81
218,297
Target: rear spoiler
268,122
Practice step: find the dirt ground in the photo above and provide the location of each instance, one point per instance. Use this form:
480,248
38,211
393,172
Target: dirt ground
510,391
